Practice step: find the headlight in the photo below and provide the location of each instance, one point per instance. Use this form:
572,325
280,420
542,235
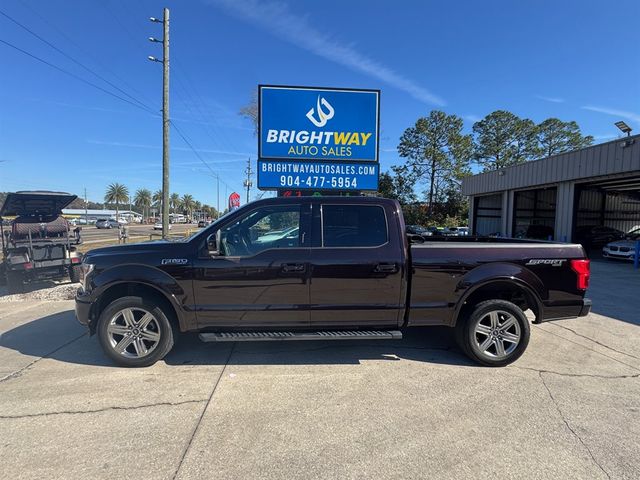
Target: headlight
85,272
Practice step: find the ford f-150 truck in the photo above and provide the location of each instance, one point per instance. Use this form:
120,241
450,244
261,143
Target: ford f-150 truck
326,268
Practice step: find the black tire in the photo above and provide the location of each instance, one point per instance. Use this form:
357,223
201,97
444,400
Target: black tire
15,283
74,273
112,316
498,346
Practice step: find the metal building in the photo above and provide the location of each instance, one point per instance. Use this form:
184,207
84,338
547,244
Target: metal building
554,196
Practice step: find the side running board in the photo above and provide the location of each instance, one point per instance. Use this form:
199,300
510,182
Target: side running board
320,335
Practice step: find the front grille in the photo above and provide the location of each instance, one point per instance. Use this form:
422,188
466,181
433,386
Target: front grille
625,249
613,248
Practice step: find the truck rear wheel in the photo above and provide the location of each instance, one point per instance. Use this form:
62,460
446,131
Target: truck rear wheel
74,273
135,332
15,283
495,334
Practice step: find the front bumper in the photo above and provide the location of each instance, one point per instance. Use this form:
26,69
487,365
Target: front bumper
83,307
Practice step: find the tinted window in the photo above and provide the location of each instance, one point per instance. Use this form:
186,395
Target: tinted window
353,226
261,229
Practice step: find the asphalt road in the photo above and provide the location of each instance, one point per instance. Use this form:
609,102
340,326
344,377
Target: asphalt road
416,408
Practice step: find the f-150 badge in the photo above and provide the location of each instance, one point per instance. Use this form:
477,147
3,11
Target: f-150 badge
174,261
543,261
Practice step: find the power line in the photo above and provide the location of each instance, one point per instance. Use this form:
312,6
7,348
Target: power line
73,75
81,49
61,52
196,153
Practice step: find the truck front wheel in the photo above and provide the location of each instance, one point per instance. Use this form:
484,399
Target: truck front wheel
495,334
135,332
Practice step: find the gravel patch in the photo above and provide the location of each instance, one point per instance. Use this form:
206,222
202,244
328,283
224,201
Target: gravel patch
66,291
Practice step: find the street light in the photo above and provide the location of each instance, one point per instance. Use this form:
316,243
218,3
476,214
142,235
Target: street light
154,59
624,128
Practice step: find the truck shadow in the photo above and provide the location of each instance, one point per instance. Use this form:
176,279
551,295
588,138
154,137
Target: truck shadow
60,337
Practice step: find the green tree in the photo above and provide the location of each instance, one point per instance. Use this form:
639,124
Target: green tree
188,204
503,139
142,199
555,136
398,184
437,151
116,194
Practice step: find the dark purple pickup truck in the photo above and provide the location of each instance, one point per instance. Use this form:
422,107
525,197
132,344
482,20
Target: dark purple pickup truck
326,268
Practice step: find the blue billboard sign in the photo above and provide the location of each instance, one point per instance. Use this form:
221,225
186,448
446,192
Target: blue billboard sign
304,123
304,175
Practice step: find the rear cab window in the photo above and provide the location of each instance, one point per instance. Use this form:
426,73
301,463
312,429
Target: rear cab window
353,226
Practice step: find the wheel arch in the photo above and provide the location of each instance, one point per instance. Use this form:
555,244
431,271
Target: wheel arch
510,289
136,289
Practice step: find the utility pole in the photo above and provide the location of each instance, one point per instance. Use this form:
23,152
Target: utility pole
248,183
218,191
165,117
86,217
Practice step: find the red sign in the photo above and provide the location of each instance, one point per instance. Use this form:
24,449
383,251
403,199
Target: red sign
234,201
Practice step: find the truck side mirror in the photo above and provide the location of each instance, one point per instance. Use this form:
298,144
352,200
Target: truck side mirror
213,244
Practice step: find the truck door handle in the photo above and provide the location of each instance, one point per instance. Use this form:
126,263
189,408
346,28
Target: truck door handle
386,268
293,267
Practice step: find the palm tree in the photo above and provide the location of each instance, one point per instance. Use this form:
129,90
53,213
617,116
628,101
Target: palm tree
187,203
116,193
142,199
174,201
156,198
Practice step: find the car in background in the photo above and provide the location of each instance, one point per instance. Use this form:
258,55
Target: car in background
597,235
111,223
203,223
624,249
418,230
158,226
459,231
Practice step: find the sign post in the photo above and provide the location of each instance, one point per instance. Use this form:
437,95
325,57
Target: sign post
321,139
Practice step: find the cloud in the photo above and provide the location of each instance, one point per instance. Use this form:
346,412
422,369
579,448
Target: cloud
277,19
634,117
550,99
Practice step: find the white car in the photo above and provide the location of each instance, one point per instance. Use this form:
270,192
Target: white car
623,249
158,226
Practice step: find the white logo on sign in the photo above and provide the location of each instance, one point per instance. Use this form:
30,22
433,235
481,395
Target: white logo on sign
323,117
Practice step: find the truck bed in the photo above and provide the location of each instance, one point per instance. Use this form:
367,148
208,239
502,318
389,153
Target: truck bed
446,270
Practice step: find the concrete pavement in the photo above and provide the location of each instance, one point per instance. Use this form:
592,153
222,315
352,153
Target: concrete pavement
569,408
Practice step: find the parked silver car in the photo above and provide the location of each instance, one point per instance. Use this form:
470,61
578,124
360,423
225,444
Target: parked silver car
624,249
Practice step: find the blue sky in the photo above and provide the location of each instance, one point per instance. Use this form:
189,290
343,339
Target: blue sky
575,60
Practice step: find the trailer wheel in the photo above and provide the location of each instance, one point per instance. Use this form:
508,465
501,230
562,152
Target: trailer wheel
74,273
15,282
495,334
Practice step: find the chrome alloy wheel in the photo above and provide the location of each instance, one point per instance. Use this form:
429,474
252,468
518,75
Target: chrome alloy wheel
133,332
497,334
